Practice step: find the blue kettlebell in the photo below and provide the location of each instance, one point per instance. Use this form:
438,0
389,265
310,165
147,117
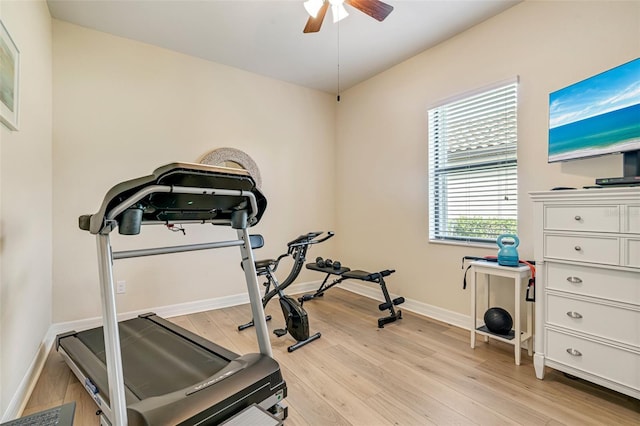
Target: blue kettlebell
508,253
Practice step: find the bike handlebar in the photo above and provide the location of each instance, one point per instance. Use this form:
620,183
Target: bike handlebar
297,248
308,239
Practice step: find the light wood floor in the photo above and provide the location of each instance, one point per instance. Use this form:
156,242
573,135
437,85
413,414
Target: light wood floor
413,372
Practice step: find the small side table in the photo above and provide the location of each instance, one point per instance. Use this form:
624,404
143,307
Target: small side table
518,274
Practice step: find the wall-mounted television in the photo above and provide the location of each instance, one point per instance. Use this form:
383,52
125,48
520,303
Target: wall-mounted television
599,116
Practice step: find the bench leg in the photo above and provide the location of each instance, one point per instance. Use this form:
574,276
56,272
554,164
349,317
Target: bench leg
321,290
389,304
391,318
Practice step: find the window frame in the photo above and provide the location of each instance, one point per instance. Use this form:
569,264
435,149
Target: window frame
439,216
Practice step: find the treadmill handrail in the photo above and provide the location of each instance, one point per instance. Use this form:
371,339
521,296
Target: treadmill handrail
127,254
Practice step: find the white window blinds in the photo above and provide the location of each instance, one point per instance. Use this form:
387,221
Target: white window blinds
473,166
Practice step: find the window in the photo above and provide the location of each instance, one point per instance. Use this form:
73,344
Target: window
473,166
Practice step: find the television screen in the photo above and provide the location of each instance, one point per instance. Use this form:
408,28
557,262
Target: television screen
596,116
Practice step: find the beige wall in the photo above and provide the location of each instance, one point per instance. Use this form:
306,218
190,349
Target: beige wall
123,108
382,134
25,202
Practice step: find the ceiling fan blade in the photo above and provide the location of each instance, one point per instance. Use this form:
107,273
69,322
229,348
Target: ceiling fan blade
314,24
374,8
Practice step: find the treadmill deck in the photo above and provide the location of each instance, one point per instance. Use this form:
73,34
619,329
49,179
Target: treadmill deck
149,369
173,375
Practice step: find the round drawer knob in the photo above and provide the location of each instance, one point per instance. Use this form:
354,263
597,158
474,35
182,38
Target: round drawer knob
578,248
578,217
574,352
572,314
574,280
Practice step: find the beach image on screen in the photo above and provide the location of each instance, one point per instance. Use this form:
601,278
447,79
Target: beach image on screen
596,116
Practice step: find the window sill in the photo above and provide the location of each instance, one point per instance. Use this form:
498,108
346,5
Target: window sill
465,244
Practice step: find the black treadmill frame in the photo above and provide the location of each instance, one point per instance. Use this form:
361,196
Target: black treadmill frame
174,194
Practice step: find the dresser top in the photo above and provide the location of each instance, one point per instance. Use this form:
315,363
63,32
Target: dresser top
625,193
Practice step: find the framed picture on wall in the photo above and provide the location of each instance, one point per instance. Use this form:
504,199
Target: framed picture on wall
9,70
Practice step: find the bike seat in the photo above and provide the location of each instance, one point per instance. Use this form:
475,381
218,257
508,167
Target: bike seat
264,264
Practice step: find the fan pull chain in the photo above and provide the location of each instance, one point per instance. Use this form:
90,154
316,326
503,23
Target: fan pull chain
338,96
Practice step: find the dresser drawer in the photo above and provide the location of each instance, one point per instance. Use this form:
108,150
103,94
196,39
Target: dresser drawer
633,219
603,250
622,325
622,286
631,252
582,218
610,362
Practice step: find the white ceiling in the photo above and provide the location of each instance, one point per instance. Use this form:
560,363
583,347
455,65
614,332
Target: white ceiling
265,36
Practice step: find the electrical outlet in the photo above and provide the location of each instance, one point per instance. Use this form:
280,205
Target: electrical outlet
121,287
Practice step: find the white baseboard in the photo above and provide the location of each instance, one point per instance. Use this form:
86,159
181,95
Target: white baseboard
27,384
163,311
420,308
372,291
21,397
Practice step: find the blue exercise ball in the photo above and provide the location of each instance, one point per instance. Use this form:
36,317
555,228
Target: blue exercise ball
498,321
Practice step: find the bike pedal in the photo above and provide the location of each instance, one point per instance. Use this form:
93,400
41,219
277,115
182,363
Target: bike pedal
279,332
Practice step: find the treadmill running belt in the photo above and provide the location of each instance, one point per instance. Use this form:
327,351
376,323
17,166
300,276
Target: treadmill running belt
148,369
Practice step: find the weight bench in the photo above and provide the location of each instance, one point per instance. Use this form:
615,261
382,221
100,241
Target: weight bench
344,273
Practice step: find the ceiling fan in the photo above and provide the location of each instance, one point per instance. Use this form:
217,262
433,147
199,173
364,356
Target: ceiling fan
317,9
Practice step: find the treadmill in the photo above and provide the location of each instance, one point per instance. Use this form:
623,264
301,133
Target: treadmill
147,370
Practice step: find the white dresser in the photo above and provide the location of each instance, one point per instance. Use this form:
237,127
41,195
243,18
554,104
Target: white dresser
587,252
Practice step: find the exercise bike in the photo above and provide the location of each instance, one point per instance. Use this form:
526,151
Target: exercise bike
296,321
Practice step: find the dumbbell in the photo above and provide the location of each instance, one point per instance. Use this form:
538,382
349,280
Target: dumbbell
328,263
